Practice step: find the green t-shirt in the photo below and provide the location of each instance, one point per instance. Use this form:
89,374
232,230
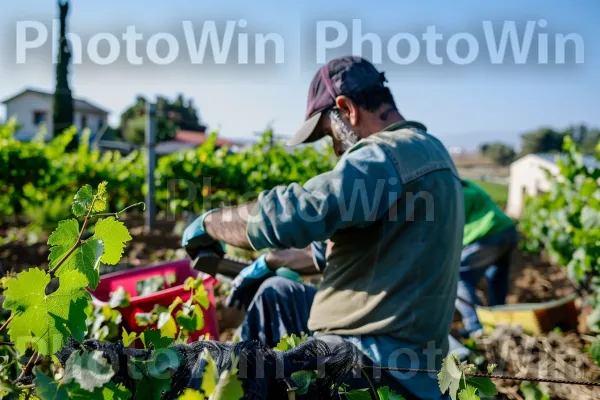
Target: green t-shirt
483,217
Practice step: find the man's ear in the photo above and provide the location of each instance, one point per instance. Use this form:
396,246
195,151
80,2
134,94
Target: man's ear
348,109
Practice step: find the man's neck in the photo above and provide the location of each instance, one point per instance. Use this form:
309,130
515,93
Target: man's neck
383,118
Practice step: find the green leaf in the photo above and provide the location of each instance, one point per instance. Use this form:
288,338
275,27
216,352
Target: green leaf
82,201
85,259
115,392
595,351
590,218
46,321
357,394
485,386
288,342
469,393
144,319
62,240
101,201
385,393
193,322
128,338
191,394
114,235
201,296
229,387
210,375
450,375
47,388
189,284
154,337
167,325
531,391
89,369
303,379
282,345
491,368
119,298
153,377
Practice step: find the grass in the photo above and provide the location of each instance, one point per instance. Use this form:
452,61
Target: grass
497,191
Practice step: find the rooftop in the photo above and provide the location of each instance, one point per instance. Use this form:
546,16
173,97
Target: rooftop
81,104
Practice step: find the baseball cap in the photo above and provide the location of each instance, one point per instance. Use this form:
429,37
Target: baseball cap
341,76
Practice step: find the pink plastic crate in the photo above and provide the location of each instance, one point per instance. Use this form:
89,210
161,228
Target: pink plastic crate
128,280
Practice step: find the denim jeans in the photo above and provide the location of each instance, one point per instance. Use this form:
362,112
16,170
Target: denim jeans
490,259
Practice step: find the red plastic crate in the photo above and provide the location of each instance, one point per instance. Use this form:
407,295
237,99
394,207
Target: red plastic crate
128,280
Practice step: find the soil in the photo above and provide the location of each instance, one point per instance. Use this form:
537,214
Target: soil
533,280
553,355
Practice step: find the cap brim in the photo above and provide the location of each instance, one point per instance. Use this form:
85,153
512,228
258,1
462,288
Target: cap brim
306,133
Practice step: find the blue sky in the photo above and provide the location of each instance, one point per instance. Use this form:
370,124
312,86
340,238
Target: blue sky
462,104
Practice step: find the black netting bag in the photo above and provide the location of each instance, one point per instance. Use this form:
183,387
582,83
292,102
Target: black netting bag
264,372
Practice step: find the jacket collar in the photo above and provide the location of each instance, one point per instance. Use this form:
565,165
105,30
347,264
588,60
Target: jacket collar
406,124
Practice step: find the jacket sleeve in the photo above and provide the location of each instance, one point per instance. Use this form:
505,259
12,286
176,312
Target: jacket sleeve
357,192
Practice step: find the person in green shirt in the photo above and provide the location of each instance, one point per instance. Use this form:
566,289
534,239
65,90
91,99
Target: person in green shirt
489,239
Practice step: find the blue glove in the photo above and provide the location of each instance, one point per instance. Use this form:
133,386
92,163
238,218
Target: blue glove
195,229
201,247
245,285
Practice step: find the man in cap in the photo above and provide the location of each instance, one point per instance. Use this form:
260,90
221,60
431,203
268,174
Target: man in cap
392,212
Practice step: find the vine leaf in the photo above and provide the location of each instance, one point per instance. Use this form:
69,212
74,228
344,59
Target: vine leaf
358,394
210,376
193,322
115,392
485,386
154,337
590,218
229,386
201,296
48,388
303,379
89,369
385,393
128,338
119,298
450,375
62,240
82,201
114,235
292,341
532,391
191,394
101,201
85,259
46,321
153,377
594,351
468,393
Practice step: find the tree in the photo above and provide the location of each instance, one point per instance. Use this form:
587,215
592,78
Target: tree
171,117
584,137
547,140
498,152
543,140
62,113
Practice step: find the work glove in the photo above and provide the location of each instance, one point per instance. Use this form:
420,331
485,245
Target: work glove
195,239
246,284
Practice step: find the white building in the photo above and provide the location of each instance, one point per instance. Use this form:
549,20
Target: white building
33,109
527,178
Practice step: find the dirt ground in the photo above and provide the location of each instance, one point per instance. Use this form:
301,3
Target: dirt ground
533,280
